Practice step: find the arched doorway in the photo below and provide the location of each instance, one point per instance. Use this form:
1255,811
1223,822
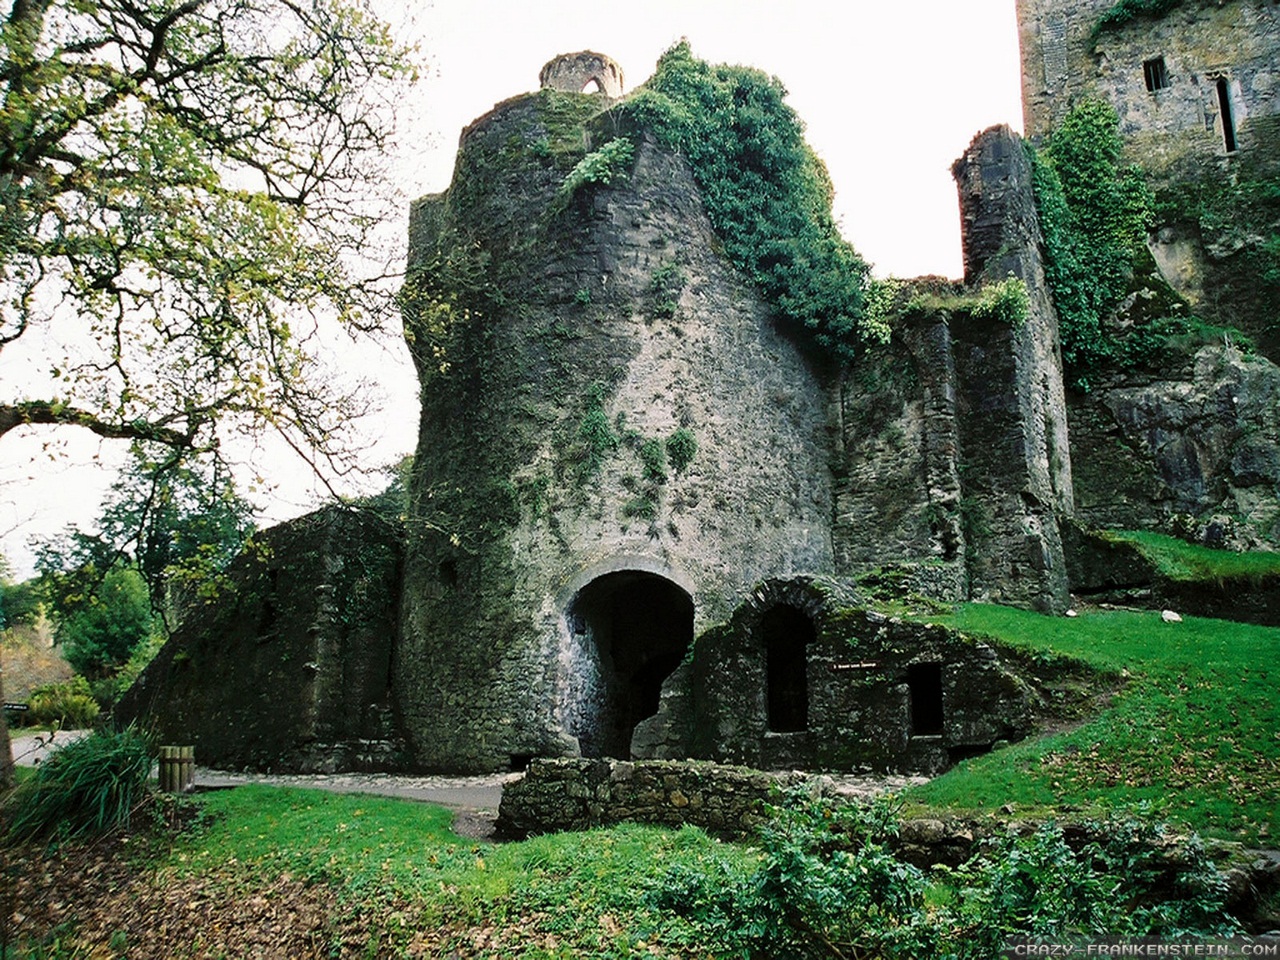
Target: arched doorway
628,631
787,633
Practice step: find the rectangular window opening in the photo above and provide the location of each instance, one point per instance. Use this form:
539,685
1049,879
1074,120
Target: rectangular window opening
1224,111
1155,74
924,681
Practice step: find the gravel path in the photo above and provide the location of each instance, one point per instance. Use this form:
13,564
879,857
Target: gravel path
475,799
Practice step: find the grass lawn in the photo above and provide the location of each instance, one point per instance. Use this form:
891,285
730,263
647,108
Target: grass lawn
1193,737
1179,560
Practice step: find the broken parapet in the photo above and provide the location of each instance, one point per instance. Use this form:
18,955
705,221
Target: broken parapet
1011,406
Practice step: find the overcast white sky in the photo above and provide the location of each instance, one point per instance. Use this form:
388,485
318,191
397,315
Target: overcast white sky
891,94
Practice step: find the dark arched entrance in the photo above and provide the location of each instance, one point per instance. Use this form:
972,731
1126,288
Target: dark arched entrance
787,633
629,630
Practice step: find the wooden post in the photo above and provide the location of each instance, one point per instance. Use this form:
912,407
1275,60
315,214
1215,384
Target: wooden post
177,769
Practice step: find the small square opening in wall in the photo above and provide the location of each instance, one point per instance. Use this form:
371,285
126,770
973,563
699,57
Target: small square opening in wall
1155,74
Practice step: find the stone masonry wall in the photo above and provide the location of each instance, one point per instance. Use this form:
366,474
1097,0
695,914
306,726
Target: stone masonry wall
289,668
1172,130
862,705
566,794
1010,402
897,483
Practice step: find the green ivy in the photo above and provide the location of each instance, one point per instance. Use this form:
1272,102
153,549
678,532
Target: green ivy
767,194
1126,11
1094,215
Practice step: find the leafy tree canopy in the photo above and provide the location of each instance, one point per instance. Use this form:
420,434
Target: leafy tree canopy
178,523
181,182
99,633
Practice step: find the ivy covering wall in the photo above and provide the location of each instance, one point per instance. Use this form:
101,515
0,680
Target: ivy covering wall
767,194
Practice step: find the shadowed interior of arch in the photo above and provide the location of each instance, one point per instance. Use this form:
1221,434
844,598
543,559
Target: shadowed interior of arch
629,630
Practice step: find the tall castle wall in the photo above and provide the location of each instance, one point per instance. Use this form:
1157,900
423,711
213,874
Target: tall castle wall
954,443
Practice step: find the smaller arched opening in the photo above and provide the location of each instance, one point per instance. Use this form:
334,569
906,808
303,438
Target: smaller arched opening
787,633
629,630
593,86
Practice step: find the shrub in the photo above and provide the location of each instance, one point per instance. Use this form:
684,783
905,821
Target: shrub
829,884
610,163
682,447
69,704
88,787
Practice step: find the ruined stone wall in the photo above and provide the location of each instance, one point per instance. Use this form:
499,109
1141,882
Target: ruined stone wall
1010,403
876,692
566,794
1175,128
548,502
1198,440
288,667
897,484
953,445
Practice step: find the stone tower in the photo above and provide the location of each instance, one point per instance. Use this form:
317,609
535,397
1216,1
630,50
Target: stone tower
1197,83
616,443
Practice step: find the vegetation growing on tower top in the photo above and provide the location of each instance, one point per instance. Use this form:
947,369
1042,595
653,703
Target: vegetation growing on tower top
766,192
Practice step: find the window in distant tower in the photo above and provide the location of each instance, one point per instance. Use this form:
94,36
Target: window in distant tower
1155,74
1224,111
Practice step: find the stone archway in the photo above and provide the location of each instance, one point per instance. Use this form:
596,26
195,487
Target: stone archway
577,72
628,630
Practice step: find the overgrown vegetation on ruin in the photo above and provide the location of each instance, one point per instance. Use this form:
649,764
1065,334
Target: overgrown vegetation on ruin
766,192
1095,212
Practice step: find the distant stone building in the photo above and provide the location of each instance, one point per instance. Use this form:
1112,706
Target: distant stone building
1200,82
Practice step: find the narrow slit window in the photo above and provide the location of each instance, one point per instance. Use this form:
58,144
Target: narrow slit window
1224,111
1155,74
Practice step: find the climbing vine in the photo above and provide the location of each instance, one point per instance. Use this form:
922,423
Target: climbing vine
1094,215
766,192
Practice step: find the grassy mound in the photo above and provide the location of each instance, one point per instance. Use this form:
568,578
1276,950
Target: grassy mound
1192,737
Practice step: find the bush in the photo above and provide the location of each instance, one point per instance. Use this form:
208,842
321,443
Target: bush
69,704
830,884
88,787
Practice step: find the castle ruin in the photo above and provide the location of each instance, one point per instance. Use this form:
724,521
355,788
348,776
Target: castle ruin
638,512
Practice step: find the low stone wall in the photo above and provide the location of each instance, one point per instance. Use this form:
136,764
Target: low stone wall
573,794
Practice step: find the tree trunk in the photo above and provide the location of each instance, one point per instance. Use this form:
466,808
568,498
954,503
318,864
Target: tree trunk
6,752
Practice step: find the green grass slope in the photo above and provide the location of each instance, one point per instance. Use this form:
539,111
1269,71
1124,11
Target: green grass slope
1193,737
